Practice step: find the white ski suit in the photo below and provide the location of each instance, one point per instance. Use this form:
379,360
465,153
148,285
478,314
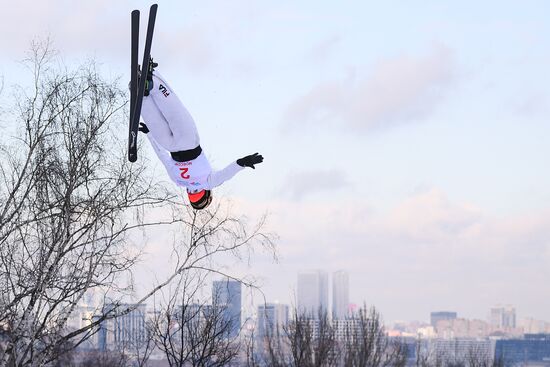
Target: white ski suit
172,129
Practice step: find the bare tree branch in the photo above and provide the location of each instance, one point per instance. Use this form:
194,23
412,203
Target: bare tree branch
65,199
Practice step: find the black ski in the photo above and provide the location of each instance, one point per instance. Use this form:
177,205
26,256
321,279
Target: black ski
134,124
132,130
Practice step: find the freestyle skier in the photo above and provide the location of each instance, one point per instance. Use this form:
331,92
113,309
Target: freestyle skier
173,135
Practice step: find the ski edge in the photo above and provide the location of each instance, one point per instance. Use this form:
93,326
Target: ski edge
144,67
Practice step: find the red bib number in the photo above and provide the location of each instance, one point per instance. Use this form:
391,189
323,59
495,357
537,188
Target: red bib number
183,173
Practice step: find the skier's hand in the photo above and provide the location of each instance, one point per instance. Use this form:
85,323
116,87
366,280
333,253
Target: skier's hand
143,128
250,160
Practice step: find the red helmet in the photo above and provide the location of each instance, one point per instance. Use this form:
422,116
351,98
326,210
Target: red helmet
200,200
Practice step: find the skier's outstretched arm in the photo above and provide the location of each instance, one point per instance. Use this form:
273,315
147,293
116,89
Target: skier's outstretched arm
216,178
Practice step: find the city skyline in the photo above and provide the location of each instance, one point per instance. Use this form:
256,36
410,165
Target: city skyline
227,294
451,336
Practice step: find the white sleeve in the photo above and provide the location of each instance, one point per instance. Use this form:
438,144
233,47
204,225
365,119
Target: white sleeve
162,154
216,178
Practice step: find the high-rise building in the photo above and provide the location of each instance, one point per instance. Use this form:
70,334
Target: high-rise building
435,317
340,295
312,293
272,317
531,350
503,317
227,294
123,331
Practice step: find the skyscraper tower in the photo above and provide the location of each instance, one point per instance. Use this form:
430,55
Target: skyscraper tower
226,293
340,295
312,293
503,317
272,318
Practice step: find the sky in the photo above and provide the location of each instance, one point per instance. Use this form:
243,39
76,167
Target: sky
404,142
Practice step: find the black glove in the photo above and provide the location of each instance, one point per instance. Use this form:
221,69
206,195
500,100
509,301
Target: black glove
250,160
143,128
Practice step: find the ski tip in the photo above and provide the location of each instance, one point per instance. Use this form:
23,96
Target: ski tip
132,158
135,12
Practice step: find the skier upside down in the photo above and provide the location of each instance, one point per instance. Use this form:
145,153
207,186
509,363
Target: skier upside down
173,135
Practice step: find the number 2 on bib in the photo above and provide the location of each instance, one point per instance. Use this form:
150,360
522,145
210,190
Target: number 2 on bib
183,173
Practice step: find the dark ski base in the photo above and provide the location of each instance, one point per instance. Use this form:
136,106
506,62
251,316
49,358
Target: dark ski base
137,85
132,131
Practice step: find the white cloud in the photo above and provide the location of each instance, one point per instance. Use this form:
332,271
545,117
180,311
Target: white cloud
431,216
189,46
427,252
73,26
102,28
531,105
321,51
398,91
301,184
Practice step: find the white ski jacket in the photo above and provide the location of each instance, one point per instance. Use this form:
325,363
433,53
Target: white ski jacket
195,175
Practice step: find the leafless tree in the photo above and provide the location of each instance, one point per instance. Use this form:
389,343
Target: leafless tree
307,340
65,189
141,352
251,356
367,344
275,347
300,334
422,357
68,203
325,346
192,332
135,345
479,357
310,341
105,359
314,341
66,356
271,348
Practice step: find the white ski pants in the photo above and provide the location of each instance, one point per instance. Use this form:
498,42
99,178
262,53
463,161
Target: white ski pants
169,122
